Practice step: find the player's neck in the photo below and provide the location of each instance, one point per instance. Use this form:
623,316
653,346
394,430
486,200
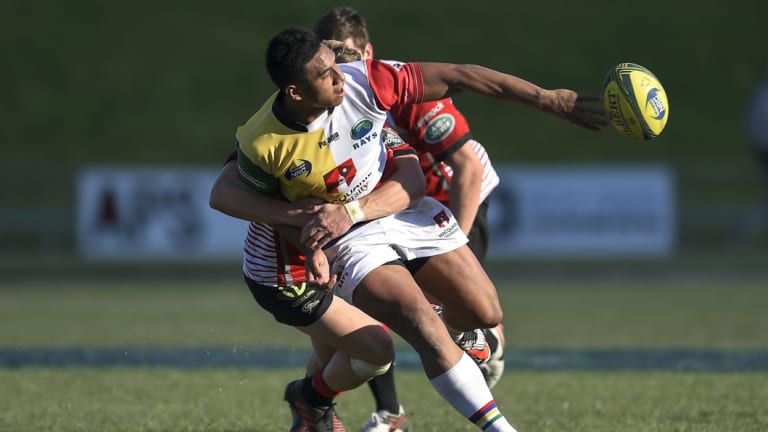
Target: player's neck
295,114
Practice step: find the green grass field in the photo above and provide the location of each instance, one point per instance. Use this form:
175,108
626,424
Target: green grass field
178,313
695,314
250,400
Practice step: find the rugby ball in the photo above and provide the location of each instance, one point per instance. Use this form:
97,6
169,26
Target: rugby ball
635,101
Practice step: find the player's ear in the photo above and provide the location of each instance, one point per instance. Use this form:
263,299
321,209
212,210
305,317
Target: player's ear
292,91
368,51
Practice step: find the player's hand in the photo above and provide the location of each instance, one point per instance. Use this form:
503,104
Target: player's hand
327,222
308,202
318,270
584,110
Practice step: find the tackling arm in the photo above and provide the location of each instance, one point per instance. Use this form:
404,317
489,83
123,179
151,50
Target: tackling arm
231,196
464,193
404,187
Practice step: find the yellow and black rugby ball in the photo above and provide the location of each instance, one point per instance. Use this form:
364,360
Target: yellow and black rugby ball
635,101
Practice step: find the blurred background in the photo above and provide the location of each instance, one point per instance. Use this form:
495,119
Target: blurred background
115,115
608,253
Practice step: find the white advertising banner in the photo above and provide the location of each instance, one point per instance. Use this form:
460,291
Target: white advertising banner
151,213
583,211
536,211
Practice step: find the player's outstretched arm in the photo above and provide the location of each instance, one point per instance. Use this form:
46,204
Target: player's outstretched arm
443,80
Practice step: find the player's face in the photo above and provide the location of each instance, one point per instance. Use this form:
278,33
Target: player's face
324,84
364,54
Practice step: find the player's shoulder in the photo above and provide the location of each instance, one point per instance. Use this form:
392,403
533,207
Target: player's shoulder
262,125
256,118
395,64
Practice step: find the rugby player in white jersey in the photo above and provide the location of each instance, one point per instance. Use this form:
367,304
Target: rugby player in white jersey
317,137
459,174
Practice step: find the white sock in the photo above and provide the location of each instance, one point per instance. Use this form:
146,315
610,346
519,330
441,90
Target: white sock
464,387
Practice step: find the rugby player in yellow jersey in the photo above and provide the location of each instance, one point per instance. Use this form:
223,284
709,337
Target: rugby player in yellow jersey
319,136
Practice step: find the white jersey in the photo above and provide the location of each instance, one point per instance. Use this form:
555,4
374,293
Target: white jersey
339,157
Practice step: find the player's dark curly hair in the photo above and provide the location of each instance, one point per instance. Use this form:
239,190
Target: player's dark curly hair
288,54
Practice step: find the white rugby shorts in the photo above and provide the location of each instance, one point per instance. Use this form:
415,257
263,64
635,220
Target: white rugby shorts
423,230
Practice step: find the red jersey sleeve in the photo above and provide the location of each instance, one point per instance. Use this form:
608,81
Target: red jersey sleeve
395,83
436,127
396,147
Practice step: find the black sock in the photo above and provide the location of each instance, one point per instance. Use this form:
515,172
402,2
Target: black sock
311,395
383,389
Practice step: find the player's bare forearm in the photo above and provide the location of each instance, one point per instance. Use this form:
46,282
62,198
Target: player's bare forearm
464,193
402,189
231,196
443,80
317,266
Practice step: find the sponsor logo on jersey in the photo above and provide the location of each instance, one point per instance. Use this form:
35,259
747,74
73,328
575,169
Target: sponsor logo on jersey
430,115
390,138
358,190
365,140
304,167
340,176
361,129
333,137
439,128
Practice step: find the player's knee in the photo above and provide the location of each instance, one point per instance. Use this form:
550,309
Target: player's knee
366,370
477,315
380,349
488,313
494,317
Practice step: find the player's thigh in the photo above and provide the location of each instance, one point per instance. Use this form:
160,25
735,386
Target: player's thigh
348,329
461,284
387,291
390,295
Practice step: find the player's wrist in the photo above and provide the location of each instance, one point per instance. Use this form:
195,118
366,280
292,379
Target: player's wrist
354,211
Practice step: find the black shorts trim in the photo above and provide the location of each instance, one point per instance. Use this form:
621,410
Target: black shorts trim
412,266
297,306
478,234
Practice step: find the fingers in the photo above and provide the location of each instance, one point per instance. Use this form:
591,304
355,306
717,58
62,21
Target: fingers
323,240
591,117
309,201
316,238
591,109
588,98
595,122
